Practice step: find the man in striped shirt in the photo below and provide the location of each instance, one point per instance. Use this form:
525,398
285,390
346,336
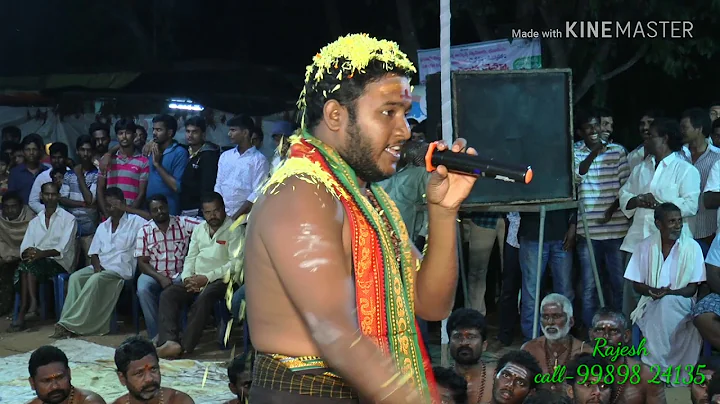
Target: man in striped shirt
695,127
127,169
600,171
162,245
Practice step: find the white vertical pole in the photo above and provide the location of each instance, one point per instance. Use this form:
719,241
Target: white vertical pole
447,127
445,64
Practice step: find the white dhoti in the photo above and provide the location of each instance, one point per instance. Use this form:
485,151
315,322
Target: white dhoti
671,339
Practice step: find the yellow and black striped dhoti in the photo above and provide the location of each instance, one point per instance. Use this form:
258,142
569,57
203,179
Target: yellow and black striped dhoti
279,379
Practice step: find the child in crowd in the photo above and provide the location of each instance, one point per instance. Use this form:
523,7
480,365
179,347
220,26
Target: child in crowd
57,177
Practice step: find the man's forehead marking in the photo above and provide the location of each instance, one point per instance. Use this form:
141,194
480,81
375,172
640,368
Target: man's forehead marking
515,369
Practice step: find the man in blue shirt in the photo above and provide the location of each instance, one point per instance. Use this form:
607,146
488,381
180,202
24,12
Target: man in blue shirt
23,176
169,160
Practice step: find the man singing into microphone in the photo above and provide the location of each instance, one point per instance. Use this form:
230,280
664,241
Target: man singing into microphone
327,243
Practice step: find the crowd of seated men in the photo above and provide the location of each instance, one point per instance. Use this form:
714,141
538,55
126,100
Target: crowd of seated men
152,213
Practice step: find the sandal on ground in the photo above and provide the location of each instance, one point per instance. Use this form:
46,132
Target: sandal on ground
32,315
16,328
61,332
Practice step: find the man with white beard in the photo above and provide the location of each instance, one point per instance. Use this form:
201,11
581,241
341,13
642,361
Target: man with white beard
556,347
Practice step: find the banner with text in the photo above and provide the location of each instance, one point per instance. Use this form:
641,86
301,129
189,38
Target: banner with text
492,55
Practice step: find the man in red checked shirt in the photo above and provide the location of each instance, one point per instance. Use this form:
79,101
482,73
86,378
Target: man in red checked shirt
162,245
208,260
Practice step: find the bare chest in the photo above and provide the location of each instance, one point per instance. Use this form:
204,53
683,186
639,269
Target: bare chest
630,394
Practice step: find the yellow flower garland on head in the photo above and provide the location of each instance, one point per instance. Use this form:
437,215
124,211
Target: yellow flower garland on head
349,55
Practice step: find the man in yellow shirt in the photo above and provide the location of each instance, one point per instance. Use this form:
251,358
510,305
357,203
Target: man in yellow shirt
204,278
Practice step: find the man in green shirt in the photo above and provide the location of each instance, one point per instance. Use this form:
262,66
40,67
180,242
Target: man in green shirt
407,189
208,261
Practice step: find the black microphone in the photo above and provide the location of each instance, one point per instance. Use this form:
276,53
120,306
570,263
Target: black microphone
426,155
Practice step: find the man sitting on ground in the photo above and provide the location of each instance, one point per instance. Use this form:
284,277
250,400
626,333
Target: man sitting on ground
515,377
714,391
703,374
138,369
50,378
557,346
240,380
707,311
467,331
94,290
14,220
452,387
666,269
611,329
208,263
584,387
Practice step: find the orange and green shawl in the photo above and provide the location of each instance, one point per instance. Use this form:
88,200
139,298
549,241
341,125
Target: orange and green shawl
383,281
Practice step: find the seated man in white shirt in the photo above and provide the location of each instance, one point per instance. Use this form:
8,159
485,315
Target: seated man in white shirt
205,273
47,249
94,290
665,176
666,269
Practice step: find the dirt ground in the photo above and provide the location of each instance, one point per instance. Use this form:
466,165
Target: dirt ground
38,334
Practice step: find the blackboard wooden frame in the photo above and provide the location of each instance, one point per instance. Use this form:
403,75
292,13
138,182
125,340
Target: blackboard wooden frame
572,190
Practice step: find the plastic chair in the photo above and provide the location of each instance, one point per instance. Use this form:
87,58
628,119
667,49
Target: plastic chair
43,302
129,287
60,281
637,337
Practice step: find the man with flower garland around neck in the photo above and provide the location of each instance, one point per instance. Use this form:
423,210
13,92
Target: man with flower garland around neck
331,248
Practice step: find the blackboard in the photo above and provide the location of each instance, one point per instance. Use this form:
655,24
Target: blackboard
521,117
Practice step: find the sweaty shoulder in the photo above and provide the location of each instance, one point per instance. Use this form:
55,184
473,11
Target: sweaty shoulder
295,204
178,397
92,397
121,400
530,345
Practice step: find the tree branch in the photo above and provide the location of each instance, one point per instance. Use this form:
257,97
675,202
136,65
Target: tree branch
407,24
124,14
580,13
558,53
524,12
591,75
332,15
630,63
481,26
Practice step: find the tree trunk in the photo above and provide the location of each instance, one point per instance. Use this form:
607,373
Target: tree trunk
124,14
332,15
407,25
479,20
524,13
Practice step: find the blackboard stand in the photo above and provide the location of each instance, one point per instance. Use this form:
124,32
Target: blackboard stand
542,208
